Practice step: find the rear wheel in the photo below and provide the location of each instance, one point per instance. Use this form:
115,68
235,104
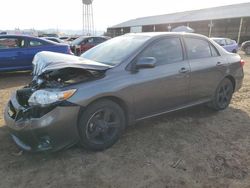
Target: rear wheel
101,125
223,95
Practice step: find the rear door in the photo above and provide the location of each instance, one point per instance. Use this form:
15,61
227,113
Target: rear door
165,86
11,53
33,46
207,68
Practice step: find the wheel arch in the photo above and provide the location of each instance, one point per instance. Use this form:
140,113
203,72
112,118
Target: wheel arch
231,78
117,100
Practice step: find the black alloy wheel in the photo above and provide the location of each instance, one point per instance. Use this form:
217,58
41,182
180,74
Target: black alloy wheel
223,95
101,125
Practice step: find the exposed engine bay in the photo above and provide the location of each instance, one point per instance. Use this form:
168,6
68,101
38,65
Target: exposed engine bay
57,79
63,77
53,71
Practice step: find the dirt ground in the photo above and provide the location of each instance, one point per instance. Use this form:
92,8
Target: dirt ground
190,148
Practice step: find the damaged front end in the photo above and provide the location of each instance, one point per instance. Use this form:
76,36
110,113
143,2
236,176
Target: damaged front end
39,116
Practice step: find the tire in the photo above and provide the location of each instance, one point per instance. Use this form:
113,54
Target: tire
101,125
223,95
247,50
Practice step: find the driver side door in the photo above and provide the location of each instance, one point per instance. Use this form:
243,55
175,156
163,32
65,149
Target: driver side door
166,86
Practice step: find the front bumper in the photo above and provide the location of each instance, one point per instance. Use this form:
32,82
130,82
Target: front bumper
55,130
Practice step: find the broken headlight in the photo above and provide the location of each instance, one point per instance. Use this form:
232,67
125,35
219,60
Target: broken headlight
45,97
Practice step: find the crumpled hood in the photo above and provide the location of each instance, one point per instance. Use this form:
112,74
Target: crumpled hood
48,61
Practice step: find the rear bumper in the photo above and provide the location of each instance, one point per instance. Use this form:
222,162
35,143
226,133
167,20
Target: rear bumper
239,76
55,130
238,84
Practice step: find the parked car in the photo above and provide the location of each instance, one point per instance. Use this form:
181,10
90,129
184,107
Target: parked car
54,39
228,44
69,39
84,43
50,35
245,46
126,79
17,52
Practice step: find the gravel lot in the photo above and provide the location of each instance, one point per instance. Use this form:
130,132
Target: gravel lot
190,148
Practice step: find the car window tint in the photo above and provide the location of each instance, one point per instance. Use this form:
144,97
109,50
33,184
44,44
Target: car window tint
197,48
90,41
165,51
98,40
35,43
6,43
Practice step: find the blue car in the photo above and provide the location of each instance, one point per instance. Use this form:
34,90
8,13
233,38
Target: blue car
228,44
17,51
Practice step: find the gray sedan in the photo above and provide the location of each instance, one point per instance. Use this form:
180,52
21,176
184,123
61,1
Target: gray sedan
91,99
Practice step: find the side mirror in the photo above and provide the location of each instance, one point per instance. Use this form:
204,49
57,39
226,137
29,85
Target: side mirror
146,62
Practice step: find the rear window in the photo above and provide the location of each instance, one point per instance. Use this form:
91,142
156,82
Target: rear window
78,41
221,42
230,42
99,40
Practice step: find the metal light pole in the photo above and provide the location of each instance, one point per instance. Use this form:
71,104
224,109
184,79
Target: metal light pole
239,34
210,25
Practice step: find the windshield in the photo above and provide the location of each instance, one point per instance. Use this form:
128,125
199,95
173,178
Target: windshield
114,51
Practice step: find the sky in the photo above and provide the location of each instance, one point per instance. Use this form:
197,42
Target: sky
62,14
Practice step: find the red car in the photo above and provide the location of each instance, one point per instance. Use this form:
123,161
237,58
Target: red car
84,43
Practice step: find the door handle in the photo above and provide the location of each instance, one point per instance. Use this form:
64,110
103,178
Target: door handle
183,70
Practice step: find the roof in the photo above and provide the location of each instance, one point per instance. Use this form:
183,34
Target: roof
12,35
223,12
159,34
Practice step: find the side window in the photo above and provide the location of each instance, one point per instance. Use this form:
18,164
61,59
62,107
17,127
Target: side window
214,51
197,48
33,43
90,41
168,50
6,43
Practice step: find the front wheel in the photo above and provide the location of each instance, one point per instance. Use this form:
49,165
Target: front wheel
223,95
101,125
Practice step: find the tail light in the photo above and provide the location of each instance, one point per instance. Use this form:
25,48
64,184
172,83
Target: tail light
242,62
